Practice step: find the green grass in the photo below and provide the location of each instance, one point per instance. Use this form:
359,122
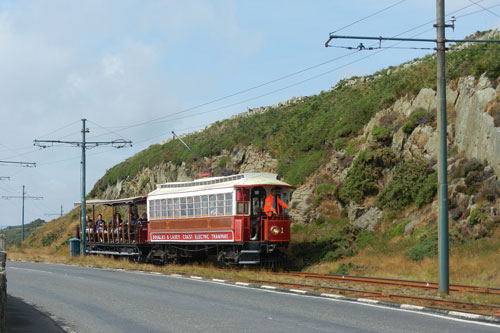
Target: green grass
323,241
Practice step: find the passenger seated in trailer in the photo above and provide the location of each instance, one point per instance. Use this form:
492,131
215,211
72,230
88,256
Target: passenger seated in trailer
142,220
133,225
89,227
114,227
100,227
273,204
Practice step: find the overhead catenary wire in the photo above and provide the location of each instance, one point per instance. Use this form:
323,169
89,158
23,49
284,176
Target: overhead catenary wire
486,9
369,16
161,119
277,90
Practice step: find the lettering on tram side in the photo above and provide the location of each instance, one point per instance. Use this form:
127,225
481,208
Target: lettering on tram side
192,236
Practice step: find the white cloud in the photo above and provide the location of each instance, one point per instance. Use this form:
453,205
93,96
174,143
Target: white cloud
112,65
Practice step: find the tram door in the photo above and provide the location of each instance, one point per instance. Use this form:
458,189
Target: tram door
257,198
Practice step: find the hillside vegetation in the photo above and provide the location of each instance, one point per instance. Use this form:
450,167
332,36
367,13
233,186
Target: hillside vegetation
301,135
13,233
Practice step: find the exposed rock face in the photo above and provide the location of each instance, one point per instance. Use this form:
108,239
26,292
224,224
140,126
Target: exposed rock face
301,208
475,133
369,219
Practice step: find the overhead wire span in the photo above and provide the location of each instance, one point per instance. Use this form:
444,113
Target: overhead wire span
486,9
158,120
109,131
369,16
286,87
265,83
59,129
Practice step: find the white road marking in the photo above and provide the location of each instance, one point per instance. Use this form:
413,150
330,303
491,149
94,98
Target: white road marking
298,291
333,296
267,287
411,307
242,284
464,315
30,269
367,300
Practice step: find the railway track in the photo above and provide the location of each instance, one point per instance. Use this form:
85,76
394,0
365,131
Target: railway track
394,282
430,302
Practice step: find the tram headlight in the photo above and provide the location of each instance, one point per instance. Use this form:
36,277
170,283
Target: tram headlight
275,230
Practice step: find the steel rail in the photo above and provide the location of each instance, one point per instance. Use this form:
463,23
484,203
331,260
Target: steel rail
395,282
427,301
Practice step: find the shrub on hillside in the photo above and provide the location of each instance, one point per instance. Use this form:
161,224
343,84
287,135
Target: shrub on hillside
413,181
382,134
362,178
418,117
425,248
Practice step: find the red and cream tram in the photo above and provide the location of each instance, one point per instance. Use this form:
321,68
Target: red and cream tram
217,216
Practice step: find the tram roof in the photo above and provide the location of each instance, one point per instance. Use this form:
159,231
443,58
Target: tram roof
239,180
115,202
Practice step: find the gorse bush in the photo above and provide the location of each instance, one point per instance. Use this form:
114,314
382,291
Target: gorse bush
382,134
418,117
413,181
426,247
362,179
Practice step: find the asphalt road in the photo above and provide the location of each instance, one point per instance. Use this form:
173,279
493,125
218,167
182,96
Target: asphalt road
100,300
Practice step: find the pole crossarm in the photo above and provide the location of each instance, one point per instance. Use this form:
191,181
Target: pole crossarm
380,38
4,178
120,143
24,164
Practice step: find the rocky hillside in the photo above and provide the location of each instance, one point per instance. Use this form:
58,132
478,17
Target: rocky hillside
363,152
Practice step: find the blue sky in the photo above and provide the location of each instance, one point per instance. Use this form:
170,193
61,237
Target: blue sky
120,63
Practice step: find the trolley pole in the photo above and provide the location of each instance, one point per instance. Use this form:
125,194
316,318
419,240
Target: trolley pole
442,153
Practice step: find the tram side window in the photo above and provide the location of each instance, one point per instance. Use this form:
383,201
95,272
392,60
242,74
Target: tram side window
170,208
242,208
151,209
190,207
204,206
229,203
157,208
197,206
183,207
163,208
212,205
177,207
220,204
